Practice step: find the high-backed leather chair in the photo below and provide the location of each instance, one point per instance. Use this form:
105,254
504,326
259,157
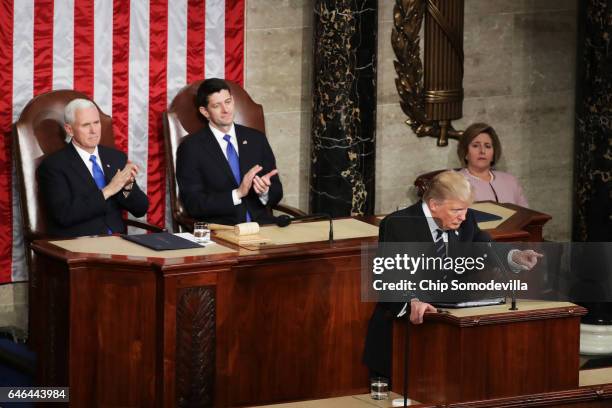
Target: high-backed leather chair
40,131
183,118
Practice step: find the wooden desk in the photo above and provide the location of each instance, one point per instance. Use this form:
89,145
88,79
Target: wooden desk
491,352
242,328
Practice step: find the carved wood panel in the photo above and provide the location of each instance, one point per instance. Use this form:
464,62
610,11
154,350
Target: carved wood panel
195,347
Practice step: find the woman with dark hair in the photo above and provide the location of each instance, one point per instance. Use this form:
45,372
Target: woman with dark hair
479,149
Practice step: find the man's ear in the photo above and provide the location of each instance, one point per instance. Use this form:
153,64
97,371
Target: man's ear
68,129
432,204
203,111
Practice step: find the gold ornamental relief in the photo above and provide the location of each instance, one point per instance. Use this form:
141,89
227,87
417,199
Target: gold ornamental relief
430,91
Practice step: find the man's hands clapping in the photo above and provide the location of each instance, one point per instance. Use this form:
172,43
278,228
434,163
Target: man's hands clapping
261,185
121,179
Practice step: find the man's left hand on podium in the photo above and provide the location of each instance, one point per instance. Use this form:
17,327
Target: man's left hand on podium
418,309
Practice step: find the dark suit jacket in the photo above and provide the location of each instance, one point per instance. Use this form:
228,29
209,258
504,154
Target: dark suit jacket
206,181
73,203
406,225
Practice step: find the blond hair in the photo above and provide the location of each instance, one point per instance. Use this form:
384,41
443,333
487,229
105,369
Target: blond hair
449,185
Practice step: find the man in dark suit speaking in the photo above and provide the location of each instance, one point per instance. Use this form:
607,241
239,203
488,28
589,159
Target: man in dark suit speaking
226,172
85,186
442,217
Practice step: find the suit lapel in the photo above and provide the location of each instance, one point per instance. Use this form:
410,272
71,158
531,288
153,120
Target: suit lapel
243,151
421,225
79,167
213,149
107,167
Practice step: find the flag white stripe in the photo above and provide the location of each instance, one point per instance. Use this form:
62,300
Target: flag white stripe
23,55
103,55
176,67
214,46
23,91
138,111
63,44
177,47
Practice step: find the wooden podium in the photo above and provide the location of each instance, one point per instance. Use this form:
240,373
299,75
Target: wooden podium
490,352
521,224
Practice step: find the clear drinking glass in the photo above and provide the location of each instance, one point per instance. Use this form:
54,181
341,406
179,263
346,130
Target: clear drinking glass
379,388
201,232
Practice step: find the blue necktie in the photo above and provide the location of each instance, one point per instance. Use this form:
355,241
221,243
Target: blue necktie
98,176
234,162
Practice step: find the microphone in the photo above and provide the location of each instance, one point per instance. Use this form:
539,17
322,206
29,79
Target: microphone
285,220
506,272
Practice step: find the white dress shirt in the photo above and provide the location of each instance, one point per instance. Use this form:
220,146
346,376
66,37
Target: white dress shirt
84,155
433,226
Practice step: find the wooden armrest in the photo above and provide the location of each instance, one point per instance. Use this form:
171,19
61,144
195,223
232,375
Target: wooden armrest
289,210
144,225
185,221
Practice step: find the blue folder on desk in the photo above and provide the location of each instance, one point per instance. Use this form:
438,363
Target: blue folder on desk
482,216
161,241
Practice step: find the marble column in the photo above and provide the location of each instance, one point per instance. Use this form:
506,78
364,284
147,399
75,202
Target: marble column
344,107
593,165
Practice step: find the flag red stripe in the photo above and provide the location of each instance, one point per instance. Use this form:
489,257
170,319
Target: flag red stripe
195,39
156,170
84,46
121,55
43,46
234,40
6,118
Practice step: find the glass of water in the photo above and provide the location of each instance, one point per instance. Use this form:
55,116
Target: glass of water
379,388
201,232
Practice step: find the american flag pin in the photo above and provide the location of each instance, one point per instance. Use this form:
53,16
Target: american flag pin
244,142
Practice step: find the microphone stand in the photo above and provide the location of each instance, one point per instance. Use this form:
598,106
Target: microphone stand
406,352
284,221
505,270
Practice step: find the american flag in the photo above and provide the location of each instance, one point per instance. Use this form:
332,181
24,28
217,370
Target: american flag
131,57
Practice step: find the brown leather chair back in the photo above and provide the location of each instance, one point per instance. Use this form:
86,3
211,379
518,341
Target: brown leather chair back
38,132
183,118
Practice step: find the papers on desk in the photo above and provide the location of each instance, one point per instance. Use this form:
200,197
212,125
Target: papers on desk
399,402
470,303
190,237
